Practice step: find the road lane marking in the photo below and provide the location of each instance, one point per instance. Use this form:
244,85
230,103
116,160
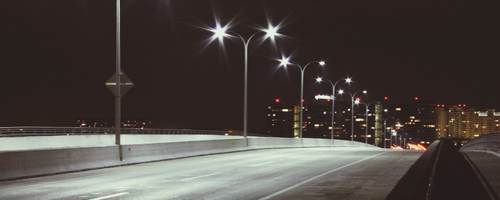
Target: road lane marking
262,163
316,177
197,177
110,196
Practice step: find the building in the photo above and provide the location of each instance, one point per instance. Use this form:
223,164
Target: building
462,122
283,120
441,121
413,122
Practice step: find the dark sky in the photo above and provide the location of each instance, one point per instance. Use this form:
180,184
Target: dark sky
57,54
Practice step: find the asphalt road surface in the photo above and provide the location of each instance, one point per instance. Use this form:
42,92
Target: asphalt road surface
298,173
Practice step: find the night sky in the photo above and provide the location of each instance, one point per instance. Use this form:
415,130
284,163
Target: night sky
57,54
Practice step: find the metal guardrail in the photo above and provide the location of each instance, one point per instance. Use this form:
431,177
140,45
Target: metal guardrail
51,131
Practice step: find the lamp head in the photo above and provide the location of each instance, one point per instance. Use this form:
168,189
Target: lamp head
348,80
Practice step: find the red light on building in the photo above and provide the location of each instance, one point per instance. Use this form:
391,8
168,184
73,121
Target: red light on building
277,100
416,98
386,98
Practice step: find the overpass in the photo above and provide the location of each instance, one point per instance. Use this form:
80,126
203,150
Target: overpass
191,164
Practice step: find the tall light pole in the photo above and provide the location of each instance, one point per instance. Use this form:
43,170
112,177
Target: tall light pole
284,62
219,33
367,110
333,98
354,101
118,76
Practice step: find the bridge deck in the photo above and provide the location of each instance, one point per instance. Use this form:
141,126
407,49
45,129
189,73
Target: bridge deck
308,173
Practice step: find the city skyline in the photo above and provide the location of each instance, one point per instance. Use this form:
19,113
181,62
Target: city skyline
56,66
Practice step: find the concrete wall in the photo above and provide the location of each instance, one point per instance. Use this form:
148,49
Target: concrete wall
28,163
76,141
486,143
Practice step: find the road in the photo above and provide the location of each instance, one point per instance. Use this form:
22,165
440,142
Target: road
298,173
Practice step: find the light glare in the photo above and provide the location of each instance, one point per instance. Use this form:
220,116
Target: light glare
219,32
319,79
284,61
322,63
341,91
348,80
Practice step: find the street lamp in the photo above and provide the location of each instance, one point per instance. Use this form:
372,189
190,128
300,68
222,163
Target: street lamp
340,92
367,110
356,101
222,31
284,62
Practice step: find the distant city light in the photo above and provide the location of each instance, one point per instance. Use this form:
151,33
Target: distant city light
386,98
341,91
322,97
322,63
277,100
319,79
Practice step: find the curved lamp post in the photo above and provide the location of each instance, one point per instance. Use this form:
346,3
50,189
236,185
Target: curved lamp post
284,62
333,98
356,101
220,32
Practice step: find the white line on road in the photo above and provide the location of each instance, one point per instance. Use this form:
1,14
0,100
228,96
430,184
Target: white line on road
262,163
316,177
110,196
197,177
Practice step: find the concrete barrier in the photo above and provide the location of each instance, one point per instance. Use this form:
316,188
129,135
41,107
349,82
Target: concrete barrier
77,141
487,144
29,163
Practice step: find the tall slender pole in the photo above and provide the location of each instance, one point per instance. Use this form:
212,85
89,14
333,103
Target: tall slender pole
246,43
301,101
118,80
245,101
385,129
333,113
366,121
352,118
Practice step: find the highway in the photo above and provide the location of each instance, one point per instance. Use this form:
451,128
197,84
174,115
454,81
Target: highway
295,173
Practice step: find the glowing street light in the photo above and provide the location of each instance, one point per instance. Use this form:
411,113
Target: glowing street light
271,32
284,62
340,92
357,101
222,31
348,80
322,63
354,100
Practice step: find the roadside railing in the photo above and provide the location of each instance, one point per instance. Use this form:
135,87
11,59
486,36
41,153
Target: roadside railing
50,131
